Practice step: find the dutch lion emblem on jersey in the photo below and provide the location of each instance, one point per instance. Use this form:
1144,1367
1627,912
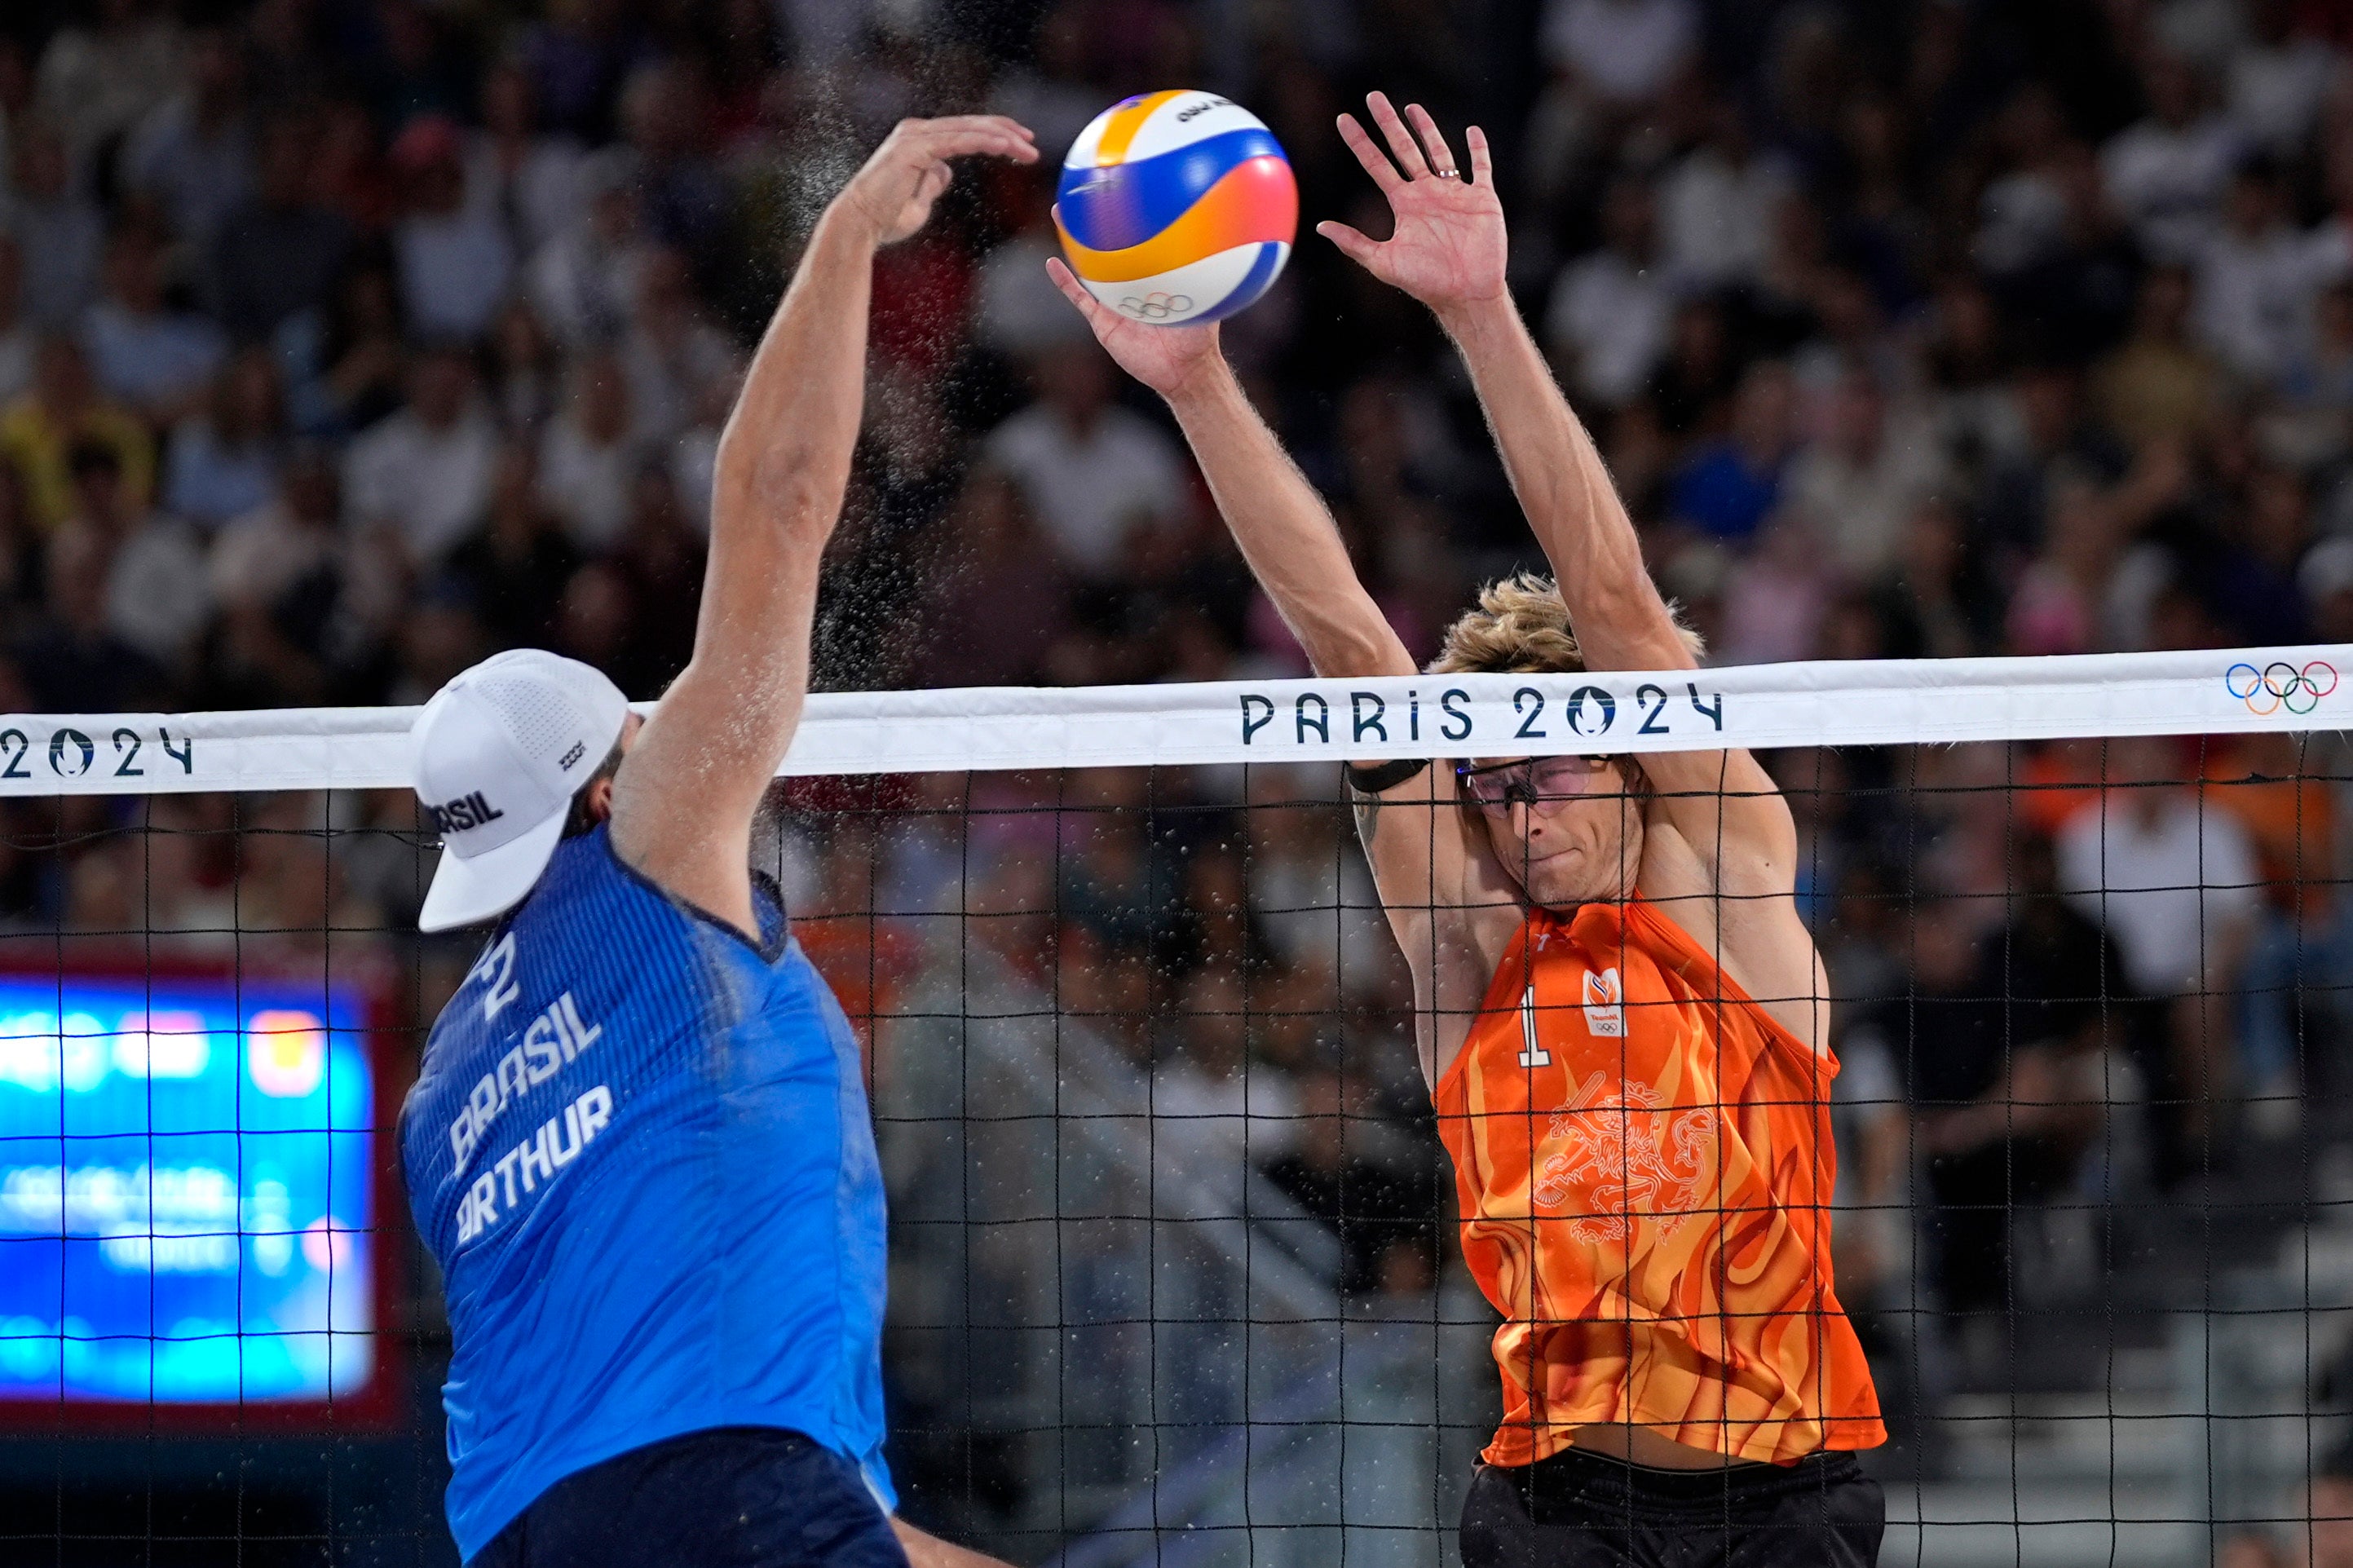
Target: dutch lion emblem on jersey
1621,1156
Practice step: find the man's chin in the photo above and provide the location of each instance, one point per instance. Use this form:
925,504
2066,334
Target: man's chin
1564,883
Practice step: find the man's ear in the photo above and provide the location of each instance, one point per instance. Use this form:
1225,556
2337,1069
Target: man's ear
599,800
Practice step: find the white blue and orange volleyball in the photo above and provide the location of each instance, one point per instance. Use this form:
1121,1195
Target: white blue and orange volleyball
1176,207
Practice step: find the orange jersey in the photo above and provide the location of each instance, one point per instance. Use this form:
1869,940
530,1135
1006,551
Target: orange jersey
1644,1163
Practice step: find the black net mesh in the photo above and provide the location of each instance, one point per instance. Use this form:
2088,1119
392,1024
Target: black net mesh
1174,1268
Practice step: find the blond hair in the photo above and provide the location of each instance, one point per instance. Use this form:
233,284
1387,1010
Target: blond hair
1521,627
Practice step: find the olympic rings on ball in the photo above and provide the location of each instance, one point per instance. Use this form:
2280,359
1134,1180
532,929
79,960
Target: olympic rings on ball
1157,307
2280,684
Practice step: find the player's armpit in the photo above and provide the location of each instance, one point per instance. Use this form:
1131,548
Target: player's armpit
1732,814
1450,905
1732,892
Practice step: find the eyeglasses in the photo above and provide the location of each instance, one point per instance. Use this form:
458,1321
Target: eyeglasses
1494,787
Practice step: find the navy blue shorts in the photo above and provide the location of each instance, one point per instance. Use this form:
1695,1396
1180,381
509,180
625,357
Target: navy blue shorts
732,1497
1578,1509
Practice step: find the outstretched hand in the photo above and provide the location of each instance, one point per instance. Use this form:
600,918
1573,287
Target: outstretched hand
1164,358
894,193
1448,247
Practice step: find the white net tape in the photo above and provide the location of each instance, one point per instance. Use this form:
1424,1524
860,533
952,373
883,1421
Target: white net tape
2208,692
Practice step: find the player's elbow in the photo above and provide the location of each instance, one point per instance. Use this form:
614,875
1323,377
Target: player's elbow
1345,655
1350,640
780,488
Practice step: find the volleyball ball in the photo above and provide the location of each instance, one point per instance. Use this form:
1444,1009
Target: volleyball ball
1176,207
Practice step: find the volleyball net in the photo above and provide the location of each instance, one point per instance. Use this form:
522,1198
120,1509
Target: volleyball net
1175,1276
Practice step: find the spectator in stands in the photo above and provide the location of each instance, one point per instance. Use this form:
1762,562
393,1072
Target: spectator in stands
1716,205
156,598
1109,885
60,234
2317,381
349,175
665,118
584,277
2022,216
1370,1204
1618,54
158,361
1778,595
525,370
518,565
673,357
2174,883
1017,312
588,457
531,179
20,556
2006,1078
1729,485
1864,479
1692,393
1609,319
96,81
277,574
455,255
664,556
2166,173
1094,474
2256,280
2277,79
2297,960
2159,385
279,253
60,410
354,372
1219,1113
222,460
424,472
1000,600
70,657
192,153
597,622
291,537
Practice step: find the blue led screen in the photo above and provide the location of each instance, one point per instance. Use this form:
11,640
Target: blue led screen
187,1191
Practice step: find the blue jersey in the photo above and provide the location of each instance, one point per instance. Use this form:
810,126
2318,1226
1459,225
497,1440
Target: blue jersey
640,1148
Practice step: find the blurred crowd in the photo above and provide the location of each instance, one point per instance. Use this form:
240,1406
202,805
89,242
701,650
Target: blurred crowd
345,342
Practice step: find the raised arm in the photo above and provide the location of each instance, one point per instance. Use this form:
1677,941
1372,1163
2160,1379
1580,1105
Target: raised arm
1282,525
1448,903
684,799
1720,848
1448,250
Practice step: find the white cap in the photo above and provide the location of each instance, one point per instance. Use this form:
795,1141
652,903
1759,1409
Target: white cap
500,751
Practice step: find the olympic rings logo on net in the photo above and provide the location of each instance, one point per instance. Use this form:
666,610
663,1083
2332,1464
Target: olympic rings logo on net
2281,685
1156,306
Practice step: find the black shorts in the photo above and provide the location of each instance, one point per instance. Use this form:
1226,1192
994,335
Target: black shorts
1584,1510
730,1497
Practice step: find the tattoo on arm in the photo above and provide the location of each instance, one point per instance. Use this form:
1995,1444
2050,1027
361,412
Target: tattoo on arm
1368,815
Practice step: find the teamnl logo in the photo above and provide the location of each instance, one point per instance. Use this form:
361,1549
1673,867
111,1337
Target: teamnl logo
2281,685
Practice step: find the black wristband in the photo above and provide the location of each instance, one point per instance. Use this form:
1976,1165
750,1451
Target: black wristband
1383,776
